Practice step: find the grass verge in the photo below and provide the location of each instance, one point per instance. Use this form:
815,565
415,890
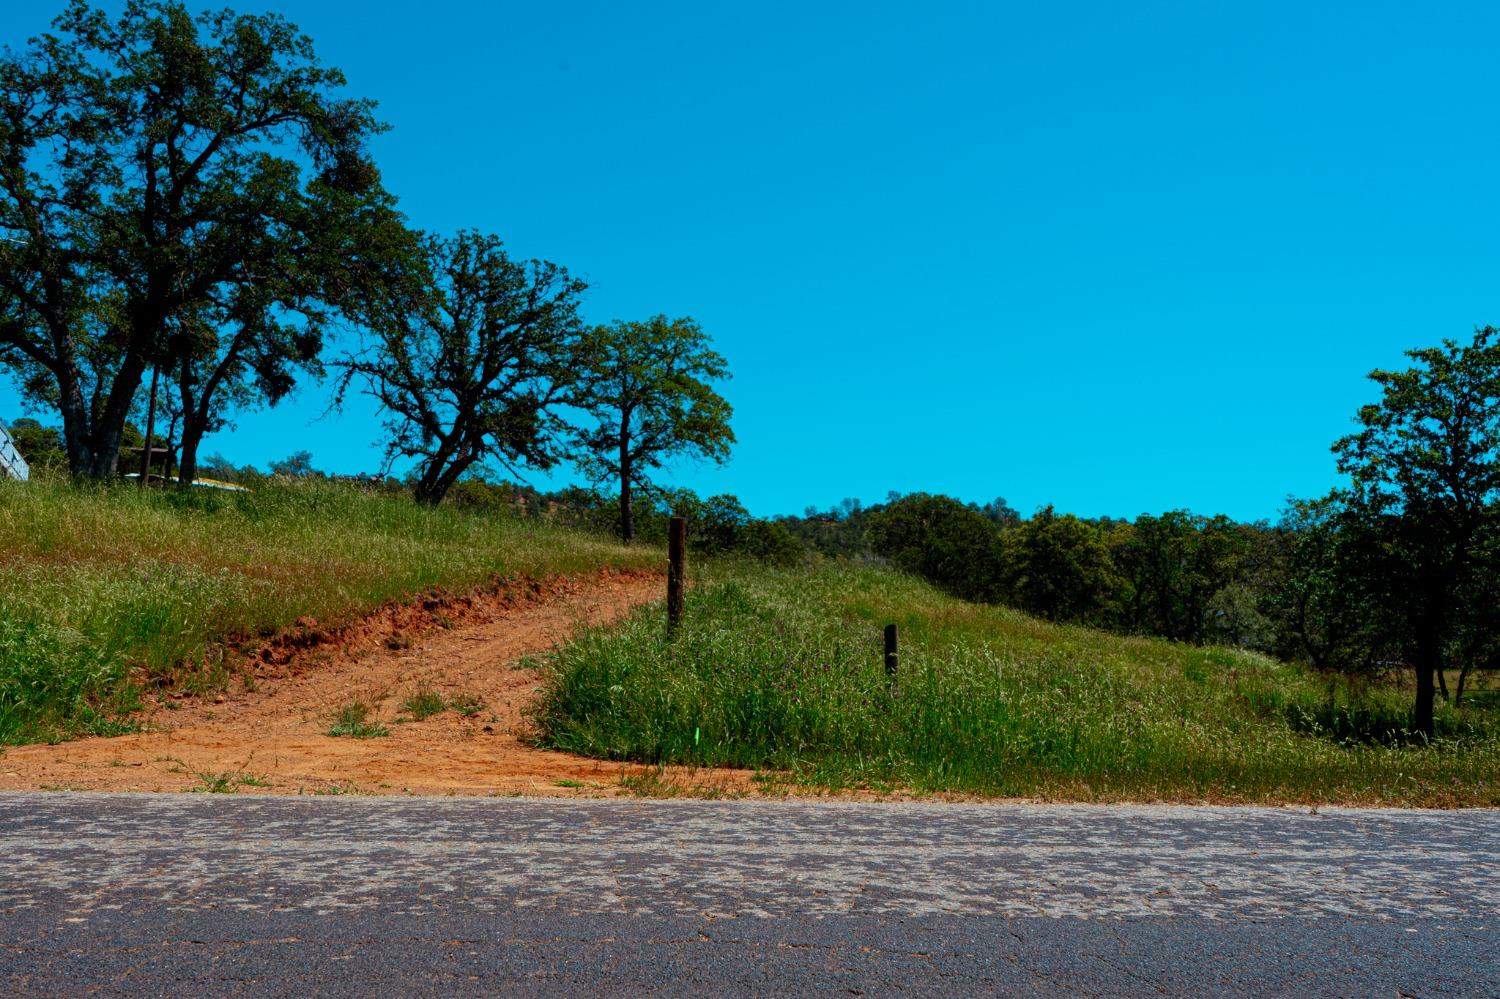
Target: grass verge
782,670
106,589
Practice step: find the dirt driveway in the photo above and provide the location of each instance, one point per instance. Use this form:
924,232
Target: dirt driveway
267,733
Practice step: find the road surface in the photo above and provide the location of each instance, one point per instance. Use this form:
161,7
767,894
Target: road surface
209,894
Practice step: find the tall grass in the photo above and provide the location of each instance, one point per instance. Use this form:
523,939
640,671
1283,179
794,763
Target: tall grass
783,670
99,585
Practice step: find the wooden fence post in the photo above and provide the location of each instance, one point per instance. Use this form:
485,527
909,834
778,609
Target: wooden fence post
890,650
676,572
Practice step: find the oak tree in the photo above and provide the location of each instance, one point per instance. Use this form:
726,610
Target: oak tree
648,387
1425,472
469,357
153,166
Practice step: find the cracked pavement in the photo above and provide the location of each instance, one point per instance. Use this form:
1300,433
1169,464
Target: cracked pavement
192,894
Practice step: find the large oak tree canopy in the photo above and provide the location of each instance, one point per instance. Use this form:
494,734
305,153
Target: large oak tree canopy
175,192
469,357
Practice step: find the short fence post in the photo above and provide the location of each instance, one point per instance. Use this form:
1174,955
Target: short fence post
676,572
890,650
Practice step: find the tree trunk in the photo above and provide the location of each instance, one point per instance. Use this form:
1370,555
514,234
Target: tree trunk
75,420
198,406
195,412
187,467
627,512
1427,659
426,492
1443,683
111,424
439,477
1422,717
627,509
1458,695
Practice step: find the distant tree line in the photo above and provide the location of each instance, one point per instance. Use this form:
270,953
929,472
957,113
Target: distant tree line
188,205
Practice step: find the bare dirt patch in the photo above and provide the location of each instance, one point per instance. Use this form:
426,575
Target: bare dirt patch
268,732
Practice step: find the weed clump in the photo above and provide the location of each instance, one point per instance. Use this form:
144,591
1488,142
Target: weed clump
467,705
354,721
424,703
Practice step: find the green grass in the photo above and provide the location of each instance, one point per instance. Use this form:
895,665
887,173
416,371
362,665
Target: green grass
225,782
783,671
424,703
354,721
106,589
467,705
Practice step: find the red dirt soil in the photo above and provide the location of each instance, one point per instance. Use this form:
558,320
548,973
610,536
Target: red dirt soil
268,733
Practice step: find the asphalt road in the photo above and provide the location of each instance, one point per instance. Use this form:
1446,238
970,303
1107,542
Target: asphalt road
198,895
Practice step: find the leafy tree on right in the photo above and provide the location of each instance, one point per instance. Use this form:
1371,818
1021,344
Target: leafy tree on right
1425,486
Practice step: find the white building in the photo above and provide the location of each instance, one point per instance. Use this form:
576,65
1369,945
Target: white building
12,465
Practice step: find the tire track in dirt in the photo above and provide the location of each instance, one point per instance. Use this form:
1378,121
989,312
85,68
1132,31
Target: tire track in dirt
269,735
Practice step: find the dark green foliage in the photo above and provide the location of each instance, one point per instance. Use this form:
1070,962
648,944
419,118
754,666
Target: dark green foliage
181,193
941,540
769,542
502,499
717,525
1188,577
1423,511
1323,613
648,387
469,356
1174,565
839,532
1058,567
296,465
221,469
45,449
42,447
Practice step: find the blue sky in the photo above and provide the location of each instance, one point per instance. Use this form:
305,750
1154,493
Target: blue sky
1120,258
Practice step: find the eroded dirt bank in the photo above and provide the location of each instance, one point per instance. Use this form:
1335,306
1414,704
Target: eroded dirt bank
268,733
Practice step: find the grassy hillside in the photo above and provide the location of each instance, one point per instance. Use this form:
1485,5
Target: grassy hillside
783,670
101,585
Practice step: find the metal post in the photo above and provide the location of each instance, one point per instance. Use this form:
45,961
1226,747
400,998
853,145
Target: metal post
890,650
676,571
